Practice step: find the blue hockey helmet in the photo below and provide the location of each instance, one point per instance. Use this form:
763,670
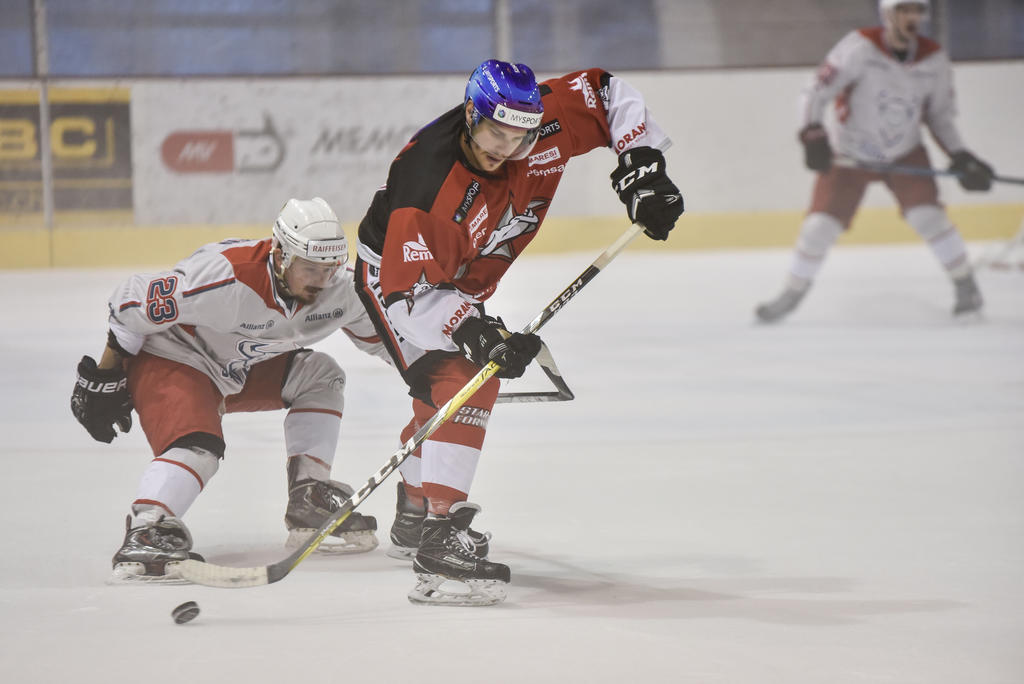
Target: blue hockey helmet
507,94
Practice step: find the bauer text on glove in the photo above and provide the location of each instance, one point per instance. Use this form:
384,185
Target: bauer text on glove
651,199
100,400
485,339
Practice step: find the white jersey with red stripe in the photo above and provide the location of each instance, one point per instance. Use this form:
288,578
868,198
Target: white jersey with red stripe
220,311
881,101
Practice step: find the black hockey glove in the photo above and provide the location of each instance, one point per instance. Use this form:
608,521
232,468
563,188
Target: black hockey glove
485,339
100,400
972,173
650,197
817,151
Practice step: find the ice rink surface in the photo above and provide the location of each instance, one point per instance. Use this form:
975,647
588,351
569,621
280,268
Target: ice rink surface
836,499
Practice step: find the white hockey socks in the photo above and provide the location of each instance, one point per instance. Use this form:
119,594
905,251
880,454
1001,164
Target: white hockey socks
817,235
173,480
942,237
311,438
450,465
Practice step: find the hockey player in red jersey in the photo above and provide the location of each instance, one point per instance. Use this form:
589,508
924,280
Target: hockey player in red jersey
462,200
225,331
886,82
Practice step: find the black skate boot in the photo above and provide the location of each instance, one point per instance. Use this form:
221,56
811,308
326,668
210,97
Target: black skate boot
152,548
968,296
311,502
408,528
447,554
781,306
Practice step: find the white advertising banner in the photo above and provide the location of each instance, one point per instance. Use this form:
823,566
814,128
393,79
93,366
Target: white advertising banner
233,151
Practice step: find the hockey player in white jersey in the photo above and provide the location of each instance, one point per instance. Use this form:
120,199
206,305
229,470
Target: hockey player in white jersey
225,331
886,82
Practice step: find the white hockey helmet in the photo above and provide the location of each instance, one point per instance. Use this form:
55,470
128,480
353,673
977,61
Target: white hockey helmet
310,229
884,5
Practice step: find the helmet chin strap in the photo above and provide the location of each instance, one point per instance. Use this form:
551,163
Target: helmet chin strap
277,266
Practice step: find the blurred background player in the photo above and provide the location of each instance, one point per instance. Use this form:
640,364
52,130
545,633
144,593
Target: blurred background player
463,199
223,332
886,81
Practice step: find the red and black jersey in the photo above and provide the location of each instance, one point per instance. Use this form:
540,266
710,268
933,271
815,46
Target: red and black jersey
443,233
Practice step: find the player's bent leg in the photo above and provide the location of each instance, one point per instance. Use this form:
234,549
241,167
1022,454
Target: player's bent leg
933,225
155,538
312,386
817,235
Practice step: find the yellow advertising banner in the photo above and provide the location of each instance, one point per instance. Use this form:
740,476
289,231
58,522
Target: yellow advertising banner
90,142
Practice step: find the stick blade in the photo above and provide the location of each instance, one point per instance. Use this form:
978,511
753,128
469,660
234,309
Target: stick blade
210,575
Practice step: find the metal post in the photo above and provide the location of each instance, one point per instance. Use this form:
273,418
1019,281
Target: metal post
502,31
942,14
42,71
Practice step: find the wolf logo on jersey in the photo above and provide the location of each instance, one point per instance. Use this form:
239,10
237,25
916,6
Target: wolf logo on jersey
512,225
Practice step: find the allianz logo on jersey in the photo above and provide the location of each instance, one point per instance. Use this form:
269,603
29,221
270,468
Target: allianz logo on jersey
256,326
416,250
326,315
545,157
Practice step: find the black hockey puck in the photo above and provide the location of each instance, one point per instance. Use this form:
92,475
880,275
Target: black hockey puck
185,612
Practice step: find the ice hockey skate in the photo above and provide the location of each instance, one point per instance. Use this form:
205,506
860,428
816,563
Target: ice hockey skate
152,549
968,296
408,528
311,502
448,571
781,306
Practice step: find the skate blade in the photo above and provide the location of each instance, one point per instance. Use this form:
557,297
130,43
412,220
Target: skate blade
359,541
406,553
135,573
435,590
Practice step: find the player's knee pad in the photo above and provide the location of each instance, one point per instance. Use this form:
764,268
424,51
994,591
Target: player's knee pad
818,233
315,381
200,441
929,221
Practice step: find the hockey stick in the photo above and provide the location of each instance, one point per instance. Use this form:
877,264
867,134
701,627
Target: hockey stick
212,575
879,167
547,363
